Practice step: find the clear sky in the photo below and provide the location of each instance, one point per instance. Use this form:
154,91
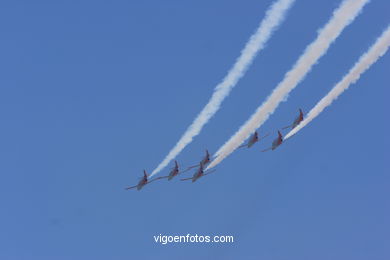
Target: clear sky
93,92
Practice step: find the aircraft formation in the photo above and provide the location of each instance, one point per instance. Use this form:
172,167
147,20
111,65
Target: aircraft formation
200,172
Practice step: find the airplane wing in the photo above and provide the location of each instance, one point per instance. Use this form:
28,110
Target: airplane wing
131,187
158,178
287,126
191,167
162,177
244,145
186,179
209,172
264,136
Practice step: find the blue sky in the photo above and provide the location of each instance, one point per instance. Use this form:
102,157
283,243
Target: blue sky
93,92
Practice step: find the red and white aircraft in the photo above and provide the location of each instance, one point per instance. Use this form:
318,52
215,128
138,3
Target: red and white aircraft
253,139
278,141
204,162
144,180
296,122
175,171
199,173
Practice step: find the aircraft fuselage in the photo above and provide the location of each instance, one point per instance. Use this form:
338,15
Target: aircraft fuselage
142,183
173,173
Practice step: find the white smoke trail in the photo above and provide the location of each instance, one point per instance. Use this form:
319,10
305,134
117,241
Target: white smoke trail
273,18
377,50
341,17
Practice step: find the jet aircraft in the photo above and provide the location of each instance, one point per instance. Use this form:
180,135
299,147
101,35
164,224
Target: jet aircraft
278,141
296,122
199,173
144,180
